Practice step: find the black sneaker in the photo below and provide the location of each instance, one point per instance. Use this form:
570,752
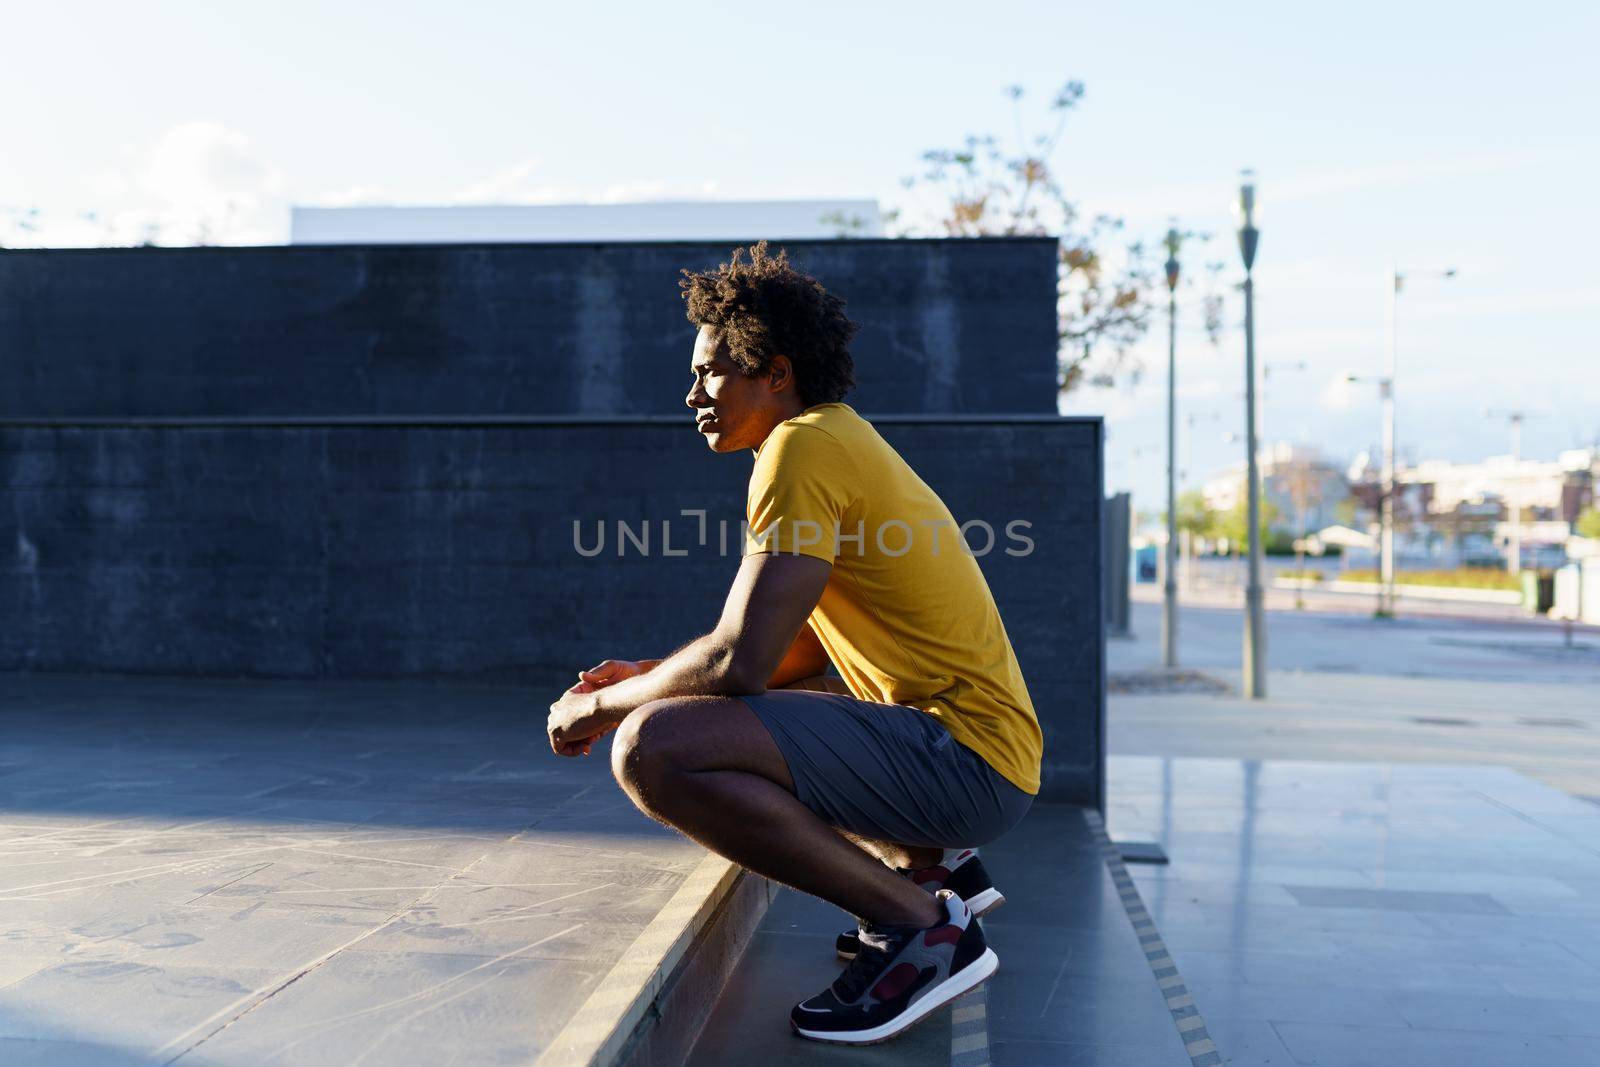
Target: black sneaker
900,976
959,871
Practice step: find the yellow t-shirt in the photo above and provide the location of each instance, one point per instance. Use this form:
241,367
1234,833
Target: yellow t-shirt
906,617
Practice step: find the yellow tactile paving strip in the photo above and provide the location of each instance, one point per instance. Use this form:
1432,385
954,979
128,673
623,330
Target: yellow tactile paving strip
1185,1015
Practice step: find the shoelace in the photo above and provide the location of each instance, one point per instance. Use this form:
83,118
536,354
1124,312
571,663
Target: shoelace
867,965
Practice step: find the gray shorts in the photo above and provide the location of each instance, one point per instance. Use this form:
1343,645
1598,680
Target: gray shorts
887,772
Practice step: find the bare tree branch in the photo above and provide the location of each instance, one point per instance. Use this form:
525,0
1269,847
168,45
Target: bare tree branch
1103,307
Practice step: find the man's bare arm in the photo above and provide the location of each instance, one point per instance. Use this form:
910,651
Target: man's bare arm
756,642
806,658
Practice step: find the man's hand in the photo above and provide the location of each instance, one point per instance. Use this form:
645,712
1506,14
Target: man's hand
576,722
612,671
767,605
606,672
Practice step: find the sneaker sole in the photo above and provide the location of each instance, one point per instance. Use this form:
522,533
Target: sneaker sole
975,974
983,903
980,905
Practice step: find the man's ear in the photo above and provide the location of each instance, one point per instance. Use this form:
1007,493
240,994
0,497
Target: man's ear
780,373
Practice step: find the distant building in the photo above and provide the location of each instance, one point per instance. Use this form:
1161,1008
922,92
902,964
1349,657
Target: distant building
686,220
1580,489
1471,503
1306,491
1448,514
1540,487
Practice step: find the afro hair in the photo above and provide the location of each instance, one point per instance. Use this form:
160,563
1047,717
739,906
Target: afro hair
765,307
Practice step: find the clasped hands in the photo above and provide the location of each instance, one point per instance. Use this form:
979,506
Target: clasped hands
576,721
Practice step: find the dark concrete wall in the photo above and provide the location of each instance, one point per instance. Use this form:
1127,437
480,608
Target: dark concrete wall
947,326
446,550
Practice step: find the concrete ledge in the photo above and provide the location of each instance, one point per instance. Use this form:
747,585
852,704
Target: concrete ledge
649,1009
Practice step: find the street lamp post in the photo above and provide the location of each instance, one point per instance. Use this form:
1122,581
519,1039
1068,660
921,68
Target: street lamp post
1514,503
1266,392
1186,537
1386,501
1514,563
1169,555
1386,575
1255,637
1385,392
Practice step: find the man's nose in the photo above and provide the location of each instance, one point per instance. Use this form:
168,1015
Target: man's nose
695,397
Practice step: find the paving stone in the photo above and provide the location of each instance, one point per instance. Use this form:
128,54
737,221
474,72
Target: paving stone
306,873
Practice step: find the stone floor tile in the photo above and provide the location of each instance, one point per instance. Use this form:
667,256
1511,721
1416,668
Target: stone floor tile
1336,1045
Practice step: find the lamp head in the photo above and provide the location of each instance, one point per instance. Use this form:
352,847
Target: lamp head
1245,209
1172,242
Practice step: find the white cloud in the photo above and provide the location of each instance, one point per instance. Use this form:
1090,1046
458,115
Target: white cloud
206,164
506,185
211,185
199,182
109,185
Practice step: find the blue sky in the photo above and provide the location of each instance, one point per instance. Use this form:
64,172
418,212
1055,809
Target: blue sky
1434,134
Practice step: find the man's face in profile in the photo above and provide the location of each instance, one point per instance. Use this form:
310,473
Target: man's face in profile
732,411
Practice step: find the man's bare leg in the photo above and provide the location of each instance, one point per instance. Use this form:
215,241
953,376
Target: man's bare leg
893,854
708,767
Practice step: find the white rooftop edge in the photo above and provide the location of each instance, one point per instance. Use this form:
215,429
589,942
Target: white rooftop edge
684,220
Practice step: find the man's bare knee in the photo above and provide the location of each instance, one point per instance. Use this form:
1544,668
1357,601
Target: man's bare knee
665,742
639,759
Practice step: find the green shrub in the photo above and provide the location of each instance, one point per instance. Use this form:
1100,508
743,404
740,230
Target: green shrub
1464,578
1588,524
